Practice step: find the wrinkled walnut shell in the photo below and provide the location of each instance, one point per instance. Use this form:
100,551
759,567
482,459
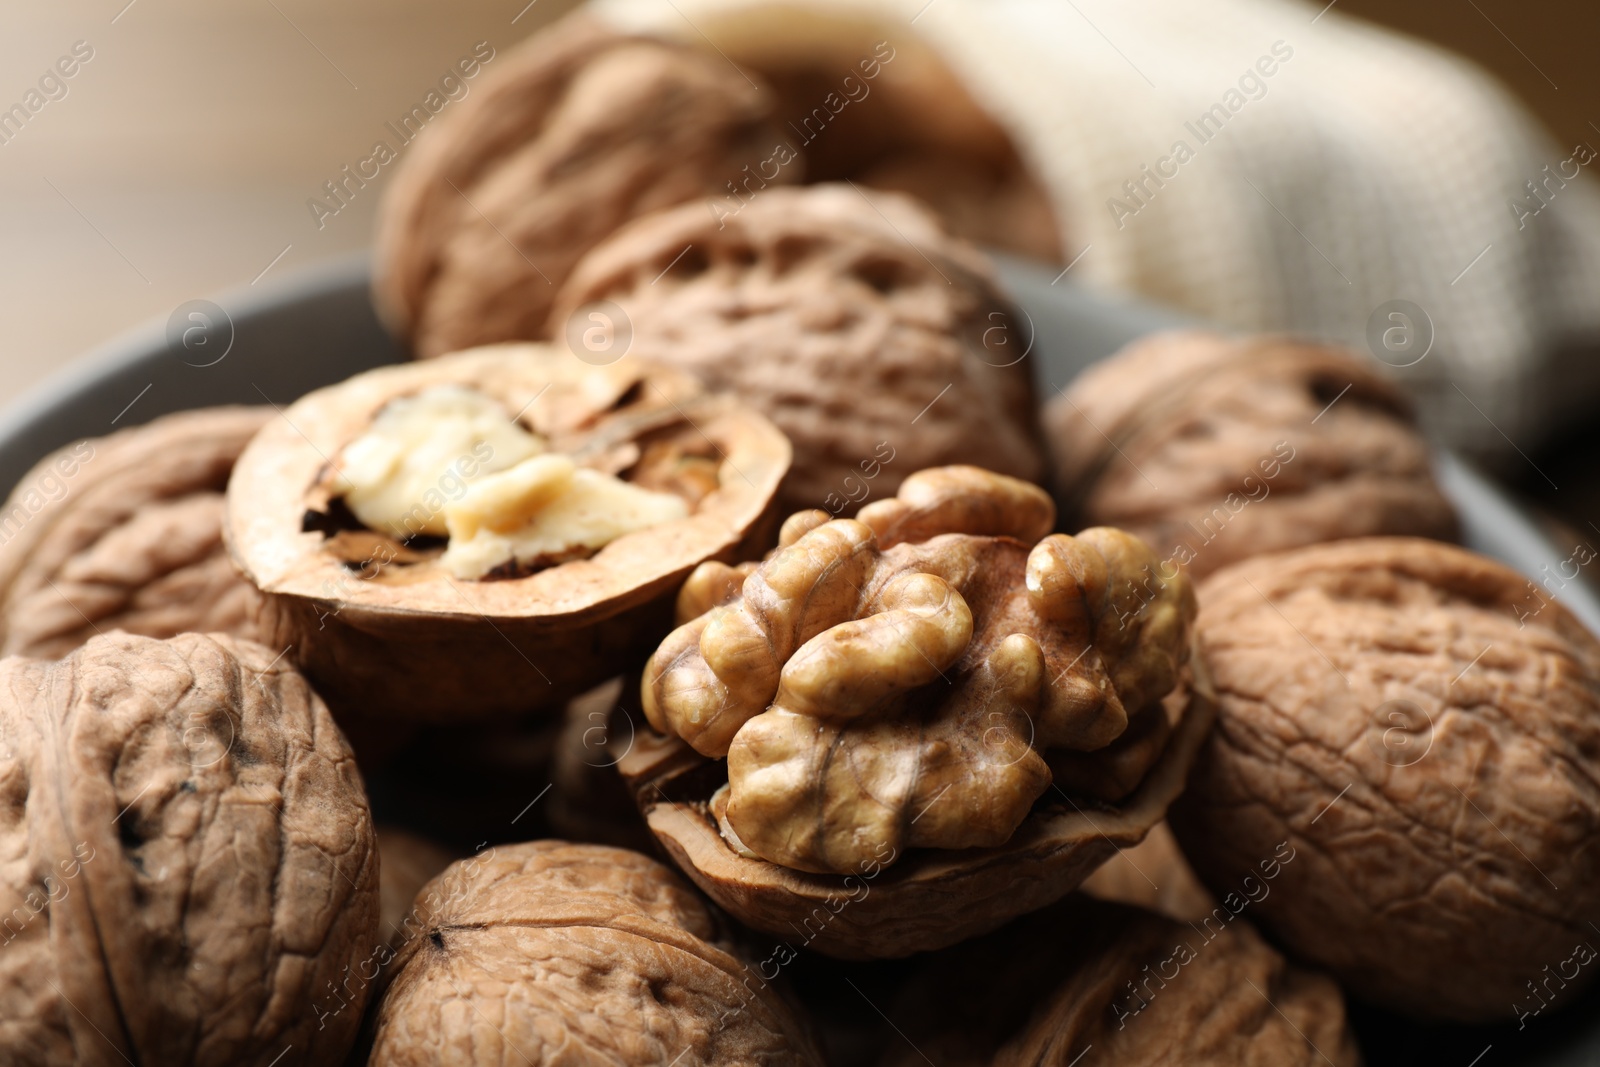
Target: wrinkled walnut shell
125,533
550,953
1423,726
876,342
1213,449
563,139
1089,984
401,638
186,843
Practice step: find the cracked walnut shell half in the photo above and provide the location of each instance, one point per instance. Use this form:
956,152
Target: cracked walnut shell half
188,873
491,533
1213,449
550,953
879,344
567,136
907,702
1423,726
125,533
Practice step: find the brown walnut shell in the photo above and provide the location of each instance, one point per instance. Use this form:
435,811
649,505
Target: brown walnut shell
1214,449
877,343
188,874
1090,984
929,898
125,533
385,631
564,138
1423,726
551,953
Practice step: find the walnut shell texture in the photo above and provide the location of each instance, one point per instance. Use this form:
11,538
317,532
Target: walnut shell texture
187,863
1153,875
127,535
1119,985
409,862
552,953
1423,726
567,136
1214,449
876,342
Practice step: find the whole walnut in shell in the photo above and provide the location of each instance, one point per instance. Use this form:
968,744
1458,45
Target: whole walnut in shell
1423,726
564,138
895,691
1118,986
877,343
188,874
125,533
554,953
1214,449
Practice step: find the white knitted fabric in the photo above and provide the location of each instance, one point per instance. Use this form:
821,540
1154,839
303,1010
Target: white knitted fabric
1367,168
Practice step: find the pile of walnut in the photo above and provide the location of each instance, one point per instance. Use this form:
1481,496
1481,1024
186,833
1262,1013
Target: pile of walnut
663,546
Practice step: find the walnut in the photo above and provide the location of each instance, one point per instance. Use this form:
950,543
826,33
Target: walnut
1422,726
1214,449
187,868
876,342
883,702
125,533
379,613
1121,986
549,952
564,138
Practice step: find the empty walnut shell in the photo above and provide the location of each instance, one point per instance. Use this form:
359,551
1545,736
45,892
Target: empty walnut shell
551,953
1214,449
1422,726
915,767
1118,986
384,629
187,863
564,138
125,533
876,342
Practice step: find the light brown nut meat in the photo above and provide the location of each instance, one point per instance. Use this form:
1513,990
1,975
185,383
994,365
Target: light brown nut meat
879,344
562,139
871,699
125,533
551,953
1089,984
1422,725
188,874
1213,449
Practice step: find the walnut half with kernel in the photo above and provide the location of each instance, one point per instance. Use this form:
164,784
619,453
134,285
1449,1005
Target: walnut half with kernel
916,709
491,533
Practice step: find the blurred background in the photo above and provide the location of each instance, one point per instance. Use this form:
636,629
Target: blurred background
181,158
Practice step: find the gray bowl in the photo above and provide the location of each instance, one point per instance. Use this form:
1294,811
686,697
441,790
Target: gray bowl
315,327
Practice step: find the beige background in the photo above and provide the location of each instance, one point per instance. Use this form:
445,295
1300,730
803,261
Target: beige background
180,162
